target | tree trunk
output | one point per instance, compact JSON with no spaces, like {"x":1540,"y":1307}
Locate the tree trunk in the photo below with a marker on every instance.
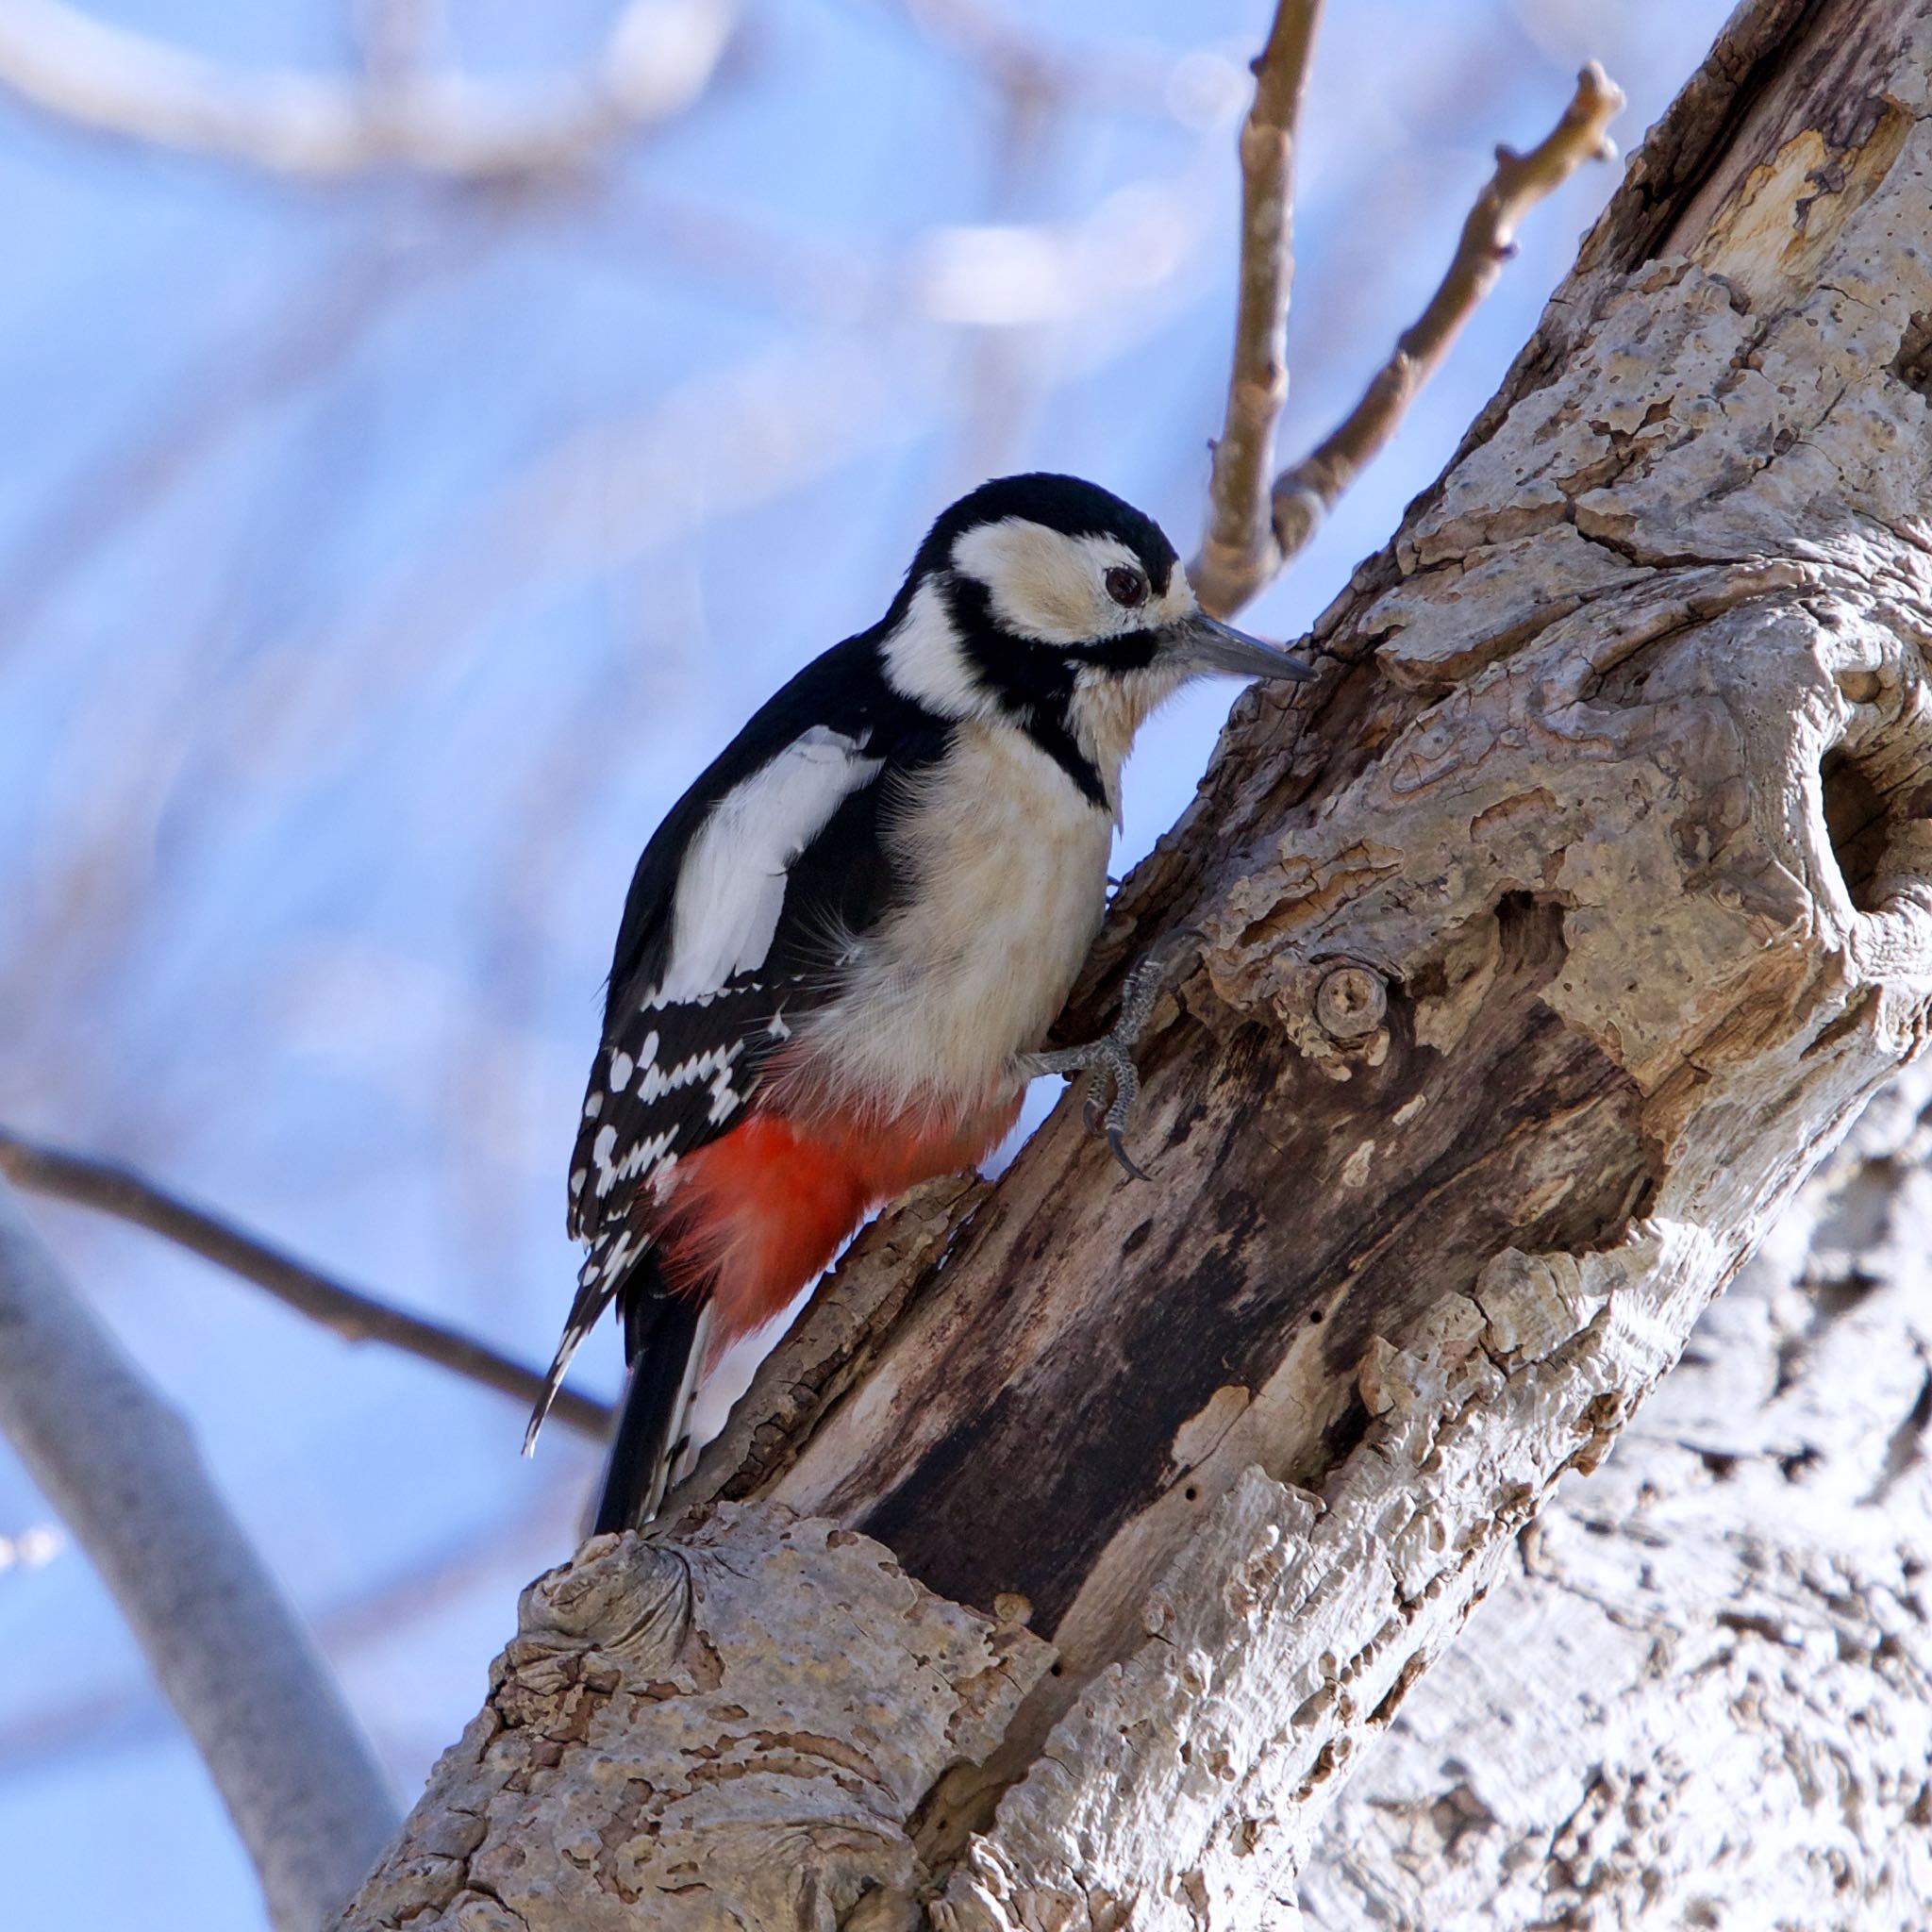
{"x":1055,"y":1573}
{"x":1702,"y":1695}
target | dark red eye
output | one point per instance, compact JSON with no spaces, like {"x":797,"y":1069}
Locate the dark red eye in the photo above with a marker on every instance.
{"x":1125,"y":585}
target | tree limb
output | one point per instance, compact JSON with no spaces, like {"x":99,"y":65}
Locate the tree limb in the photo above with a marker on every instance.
{"x":1610,"y":810}
{"x":111,"y":1188}
{"x":1747,"y":1740}
{"x":1238,"y":539}
{"x":657,"y":61}
{"x":119,"y":1464}
{"x":1304,"y":494}
{"x":1251,"y":540}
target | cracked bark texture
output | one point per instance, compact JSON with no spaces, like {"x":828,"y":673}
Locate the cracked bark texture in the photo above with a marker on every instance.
{"x":1701,"y":1695}
{"x":661,"y":1737}
{"x":1545,"y":950}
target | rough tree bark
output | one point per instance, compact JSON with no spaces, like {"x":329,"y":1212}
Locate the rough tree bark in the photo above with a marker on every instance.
{"x":1058,"y":1571}
{"x":1701,"y":1696}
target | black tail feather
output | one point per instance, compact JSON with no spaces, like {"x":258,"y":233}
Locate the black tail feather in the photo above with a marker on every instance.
{"x":663,"y":1335}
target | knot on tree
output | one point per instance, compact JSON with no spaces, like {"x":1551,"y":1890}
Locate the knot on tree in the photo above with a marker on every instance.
{"x":1350,"y":1003}
{"x":596,"y":1597}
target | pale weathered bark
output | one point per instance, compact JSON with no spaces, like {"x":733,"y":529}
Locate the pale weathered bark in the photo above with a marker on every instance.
{"x":1702,"y":1695}
{"x":1543,"y":954}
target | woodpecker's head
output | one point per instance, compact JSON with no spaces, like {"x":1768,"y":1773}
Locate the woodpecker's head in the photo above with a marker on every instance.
{"x":1052,"y":602}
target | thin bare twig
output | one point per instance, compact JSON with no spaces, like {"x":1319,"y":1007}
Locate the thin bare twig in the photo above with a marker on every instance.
{"x":118,"y":1191}
{"x":1303,"y":495}
{"x":292,"y":1766}
{"x":1239,"y":539}
{"x":658,"y":58}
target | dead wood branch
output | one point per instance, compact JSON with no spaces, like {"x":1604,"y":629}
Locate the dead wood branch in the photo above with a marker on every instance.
{"x":1255,"y":528}
{"x":1239,"y":542}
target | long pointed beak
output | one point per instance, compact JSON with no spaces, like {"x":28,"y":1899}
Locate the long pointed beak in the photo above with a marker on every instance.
{"x":1205,"y":644}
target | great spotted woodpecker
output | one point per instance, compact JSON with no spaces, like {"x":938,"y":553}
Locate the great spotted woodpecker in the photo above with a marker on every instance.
{"x":845,"y":943}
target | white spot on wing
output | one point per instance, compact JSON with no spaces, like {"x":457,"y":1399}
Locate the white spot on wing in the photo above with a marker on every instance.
{"x":621,"y":1069}
{"x":613,"y":1261}
{"x":724,"y":1103}
{"x":644,"y":1155}
{"x":656,"y":1083}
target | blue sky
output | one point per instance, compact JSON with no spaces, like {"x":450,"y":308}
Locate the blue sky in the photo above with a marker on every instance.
{"x":377,"y":562}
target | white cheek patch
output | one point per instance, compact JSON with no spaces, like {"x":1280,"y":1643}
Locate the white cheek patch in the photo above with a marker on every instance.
{"x":731,"y":888}
{"x":1047,"y":586}
{"x":1040,"y":583}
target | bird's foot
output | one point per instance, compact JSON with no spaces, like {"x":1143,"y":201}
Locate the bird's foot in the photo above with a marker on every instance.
{"x":1108,"y":1063}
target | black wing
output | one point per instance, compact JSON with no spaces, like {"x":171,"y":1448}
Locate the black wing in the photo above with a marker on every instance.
{"x":674,"y":1073}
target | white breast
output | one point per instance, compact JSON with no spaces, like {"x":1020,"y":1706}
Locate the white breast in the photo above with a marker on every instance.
{"x":943,"y":999}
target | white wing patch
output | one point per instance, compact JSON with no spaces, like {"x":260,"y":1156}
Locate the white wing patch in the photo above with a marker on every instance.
{"x":731,"y":888}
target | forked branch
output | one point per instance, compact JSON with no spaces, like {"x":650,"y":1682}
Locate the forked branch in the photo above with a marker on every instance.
{"x":110,"y":1189}
{"x":1245,"y":550}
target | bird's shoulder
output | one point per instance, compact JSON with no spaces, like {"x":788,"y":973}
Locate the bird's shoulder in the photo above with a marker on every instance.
{"x":772,"y":861}
{"x":831,"y":730}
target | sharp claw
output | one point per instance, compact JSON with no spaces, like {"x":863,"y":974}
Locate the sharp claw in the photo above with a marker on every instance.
{"x":1118,"y":1146}
{"x":1109,"y":1063}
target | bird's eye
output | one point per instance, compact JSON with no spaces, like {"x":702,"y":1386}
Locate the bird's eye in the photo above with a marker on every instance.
{"x":1125,"y":585}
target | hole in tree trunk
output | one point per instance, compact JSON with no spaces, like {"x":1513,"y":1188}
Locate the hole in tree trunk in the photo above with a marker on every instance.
{"x":1857,"y":820}
{"x":1914,"y":362}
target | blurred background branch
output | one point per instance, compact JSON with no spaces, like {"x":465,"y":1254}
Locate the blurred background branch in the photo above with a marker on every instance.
{"x":293,"y":1768}
{"x":658,"y":60}
{"x":110,"y":1188}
